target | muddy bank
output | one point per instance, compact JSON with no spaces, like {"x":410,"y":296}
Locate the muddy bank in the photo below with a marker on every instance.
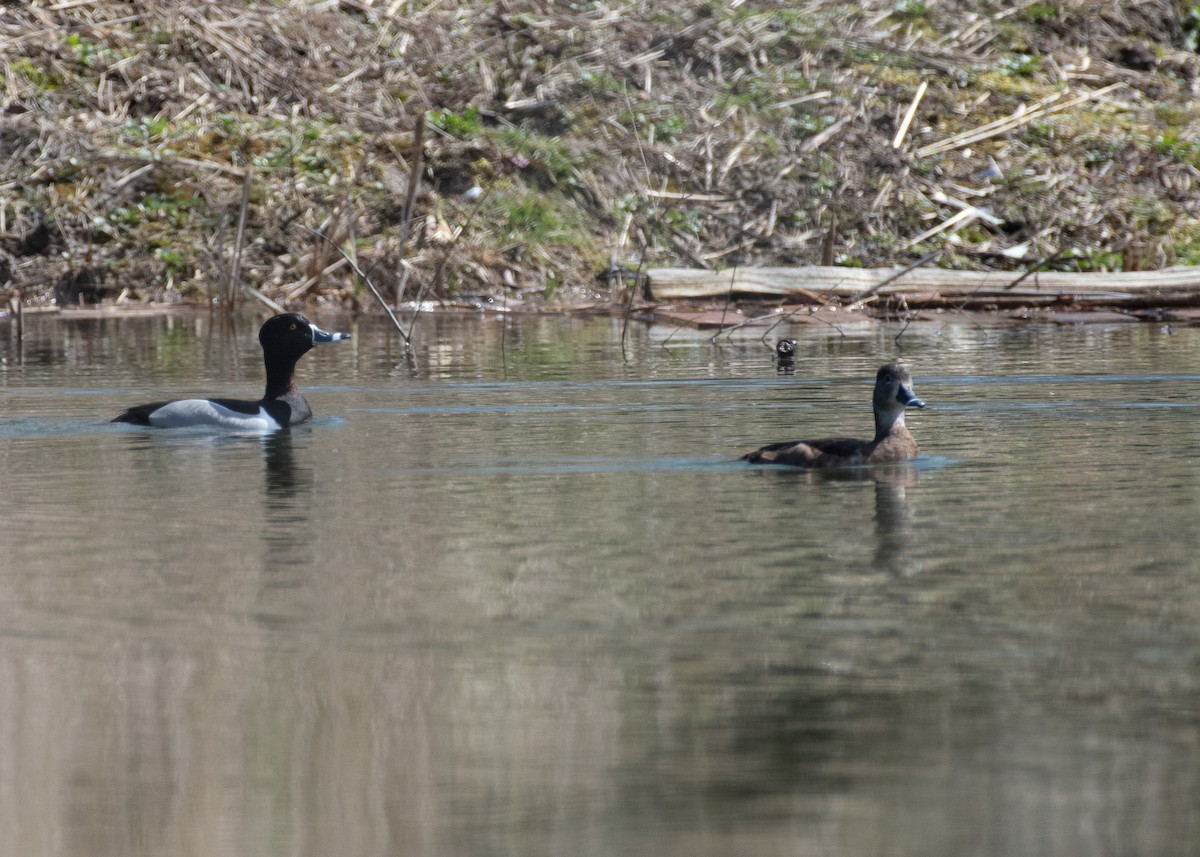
{"x":542,"y":155}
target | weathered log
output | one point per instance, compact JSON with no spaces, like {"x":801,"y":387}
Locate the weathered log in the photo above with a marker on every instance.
{"x":832,"y":281}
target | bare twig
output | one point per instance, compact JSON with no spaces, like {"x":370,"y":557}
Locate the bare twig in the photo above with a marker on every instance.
{"x":436,"y":276}
{"x":728,"y":295}
{"x":794,"y":312}
{"x":816,"y":141}
{"x":857,"y":299}
{"x":678,"y":327}
{"x":734,"y":154}
{"x":259,"y":296}
{"x":632,"y":291}
{"x":637,"y":274}
{"x":742,"y":324}
{"x":14,"y":303}
{"x":1037,"y":266}
{"x":992,"y":129}
{"x":960,"y":218}
{"x":902,"y":131}
{"x":239,"y":239}
{"x":829,"y":241}
{"x":414,"y":179}
{"x":907,"y":321}
{"x":405,"y":336}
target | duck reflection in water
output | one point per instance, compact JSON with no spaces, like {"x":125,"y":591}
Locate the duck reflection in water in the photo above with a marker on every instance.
{"x":283,"y":478}
{"x":289,"y":498}
{"x":894,"y":513}
{"x":894,"y":510}
{"x":785,"y":357}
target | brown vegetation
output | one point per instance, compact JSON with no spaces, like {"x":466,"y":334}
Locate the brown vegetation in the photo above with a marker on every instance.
{"x":568,"y":143}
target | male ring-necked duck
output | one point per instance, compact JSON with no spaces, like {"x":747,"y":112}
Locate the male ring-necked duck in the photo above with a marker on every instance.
{"x":893,"y":393}
{"x":284,"y":339}
{"x":785,"y":357}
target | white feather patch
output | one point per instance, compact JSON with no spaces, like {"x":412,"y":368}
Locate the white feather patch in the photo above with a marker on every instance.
{"x":187,"y":413}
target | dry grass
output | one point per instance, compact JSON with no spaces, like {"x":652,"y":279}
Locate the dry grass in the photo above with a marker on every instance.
{"x":600,"y":135}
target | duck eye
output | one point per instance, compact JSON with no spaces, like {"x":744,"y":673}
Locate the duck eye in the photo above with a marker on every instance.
{"x":293,"y":326}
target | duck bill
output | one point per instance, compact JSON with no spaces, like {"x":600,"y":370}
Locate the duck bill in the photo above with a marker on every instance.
{"x":906,"y":397}
{"x":320,"y":336}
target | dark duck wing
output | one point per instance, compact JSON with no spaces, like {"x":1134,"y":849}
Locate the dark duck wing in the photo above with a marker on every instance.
{"x":809,"y":453}
{"x":139,"y":415}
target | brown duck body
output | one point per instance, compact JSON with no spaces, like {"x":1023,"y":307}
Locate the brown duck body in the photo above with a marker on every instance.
{"x":892,"y":441}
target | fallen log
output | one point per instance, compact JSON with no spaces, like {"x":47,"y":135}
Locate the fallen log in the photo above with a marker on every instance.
{"x":993,"y":300}
{"x":837,"y":282}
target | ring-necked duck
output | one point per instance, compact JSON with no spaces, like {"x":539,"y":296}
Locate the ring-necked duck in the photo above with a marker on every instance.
{"x":284,"y":339}
{"x":785,"y":357}
{"x":893,"y":393}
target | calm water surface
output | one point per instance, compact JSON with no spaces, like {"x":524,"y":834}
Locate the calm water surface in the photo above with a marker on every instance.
{"x":516,"y":597}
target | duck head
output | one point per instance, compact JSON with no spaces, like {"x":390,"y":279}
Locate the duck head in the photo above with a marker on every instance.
{"x":291,"y":336}
{"x":893,"y":389}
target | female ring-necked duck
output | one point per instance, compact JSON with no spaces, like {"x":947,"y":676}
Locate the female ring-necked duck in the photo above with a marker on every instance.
{"x":893,"y":393}
{"x":284,"y":339}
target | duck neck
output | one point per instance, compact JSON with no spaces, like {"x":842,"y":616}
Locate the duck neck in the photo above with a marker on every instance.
{"x":281,"y":379}
{"x":888,"y":421}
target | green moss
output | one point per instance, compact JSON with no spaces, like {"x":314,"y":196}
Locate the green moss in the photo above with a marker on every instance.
{"x":464,"y":125}
{"x":45,"y":79}
{"x":1039,"y":133}
{"x":1176,"y":115}
{"x":536,"y":218}
{"x":661,"y":121}
{"x":175,"y":206}
{"x":1020,"y":65}
{"x":1183,"y":241}
{"x":909,"y":11}
{"x":1174,"y":146}
{"x":995,"y":84}
{"x":600,"y":82}
{"x":1190,"y":25}
{"x":91,"y":55}
{"x":175,"y":262}
{"x":1040,"y":13}
{"x":684,"y":220}
{"x":805,"y":125}
{"x":145,"y":130}
{"x":869,"y":62}
{"x":1095,"y":259}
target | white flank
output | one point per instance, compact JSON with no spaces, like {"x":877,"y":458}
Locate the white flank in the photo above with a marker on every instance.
{"x":187,"y":413}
